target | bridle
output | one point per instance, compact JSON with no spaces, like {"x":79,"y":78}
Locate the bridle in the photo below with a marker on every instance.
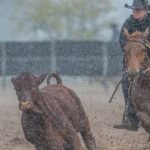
{"x":146,"y":44}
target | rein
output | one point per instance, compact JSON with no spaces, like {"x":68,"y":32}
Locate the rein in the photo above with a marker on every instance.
{"x":146,"y":43}
{"x":144,"y":71}
{"x":116,"y":88}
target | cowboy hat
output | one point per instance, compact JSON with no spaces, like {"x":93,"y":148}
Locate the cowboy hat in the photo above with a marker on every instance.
{"x":138,"y":4}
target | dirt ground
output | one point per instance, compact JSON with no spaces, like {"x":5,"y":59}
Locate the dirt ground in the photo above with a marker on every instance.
{"x":94,"y":94}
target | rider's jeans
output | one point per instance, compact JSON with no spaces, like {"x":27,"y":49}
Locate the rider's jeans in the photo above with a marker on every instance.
{"x":129,"y":116}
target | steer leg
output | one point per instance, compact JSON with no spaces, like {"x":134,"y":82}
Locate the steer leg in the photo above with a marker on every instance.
{"x":53,"y":145}
{"x":148,"y":139}
{"x":88,"y":139}
{"x":84,"y":125}
{"x":72,"y":139}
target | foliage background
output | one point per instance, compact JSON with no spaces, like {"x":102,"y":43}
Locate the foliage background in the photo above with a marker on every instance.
{"x":60,"y":19}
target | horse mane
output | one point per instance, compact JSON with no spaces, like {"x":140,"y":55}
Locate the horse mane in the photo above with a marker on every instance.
{"x":136,"y":35}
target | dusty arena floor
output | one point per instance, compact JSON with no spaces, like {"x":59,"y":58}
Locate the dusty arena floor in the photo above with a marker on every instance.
{"x":94,"y":94}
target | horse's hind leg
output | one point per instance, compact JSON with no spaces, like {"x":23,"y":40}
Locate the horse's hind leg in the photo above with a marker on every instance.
{"x":88,"y":139}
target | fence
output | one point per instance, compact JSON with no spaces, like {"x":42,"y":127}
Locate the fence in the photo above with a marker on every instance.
{"x":88,"y":58}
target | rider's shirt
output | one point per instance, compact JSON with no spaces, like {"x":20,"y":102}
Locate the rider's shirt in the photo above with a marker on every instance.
{"x":133,"y":25}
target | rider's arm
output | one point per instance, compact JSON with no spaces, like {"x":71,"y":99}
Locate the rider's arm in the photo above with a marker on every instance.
{"x":122,"y":37}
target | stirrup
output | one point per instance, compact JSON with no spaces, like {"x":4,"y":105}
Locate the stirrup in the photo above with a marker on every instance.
{"x":127,"y":127}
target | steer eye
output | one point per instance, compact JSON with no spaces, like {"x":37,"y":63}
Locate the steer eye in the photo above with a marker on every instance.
{"x":33,"y":92}
{"x":34,"y":88}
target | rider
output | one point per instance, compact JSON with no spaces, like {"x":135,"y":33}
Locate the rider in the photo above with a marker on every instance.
{"x":138,"y":21}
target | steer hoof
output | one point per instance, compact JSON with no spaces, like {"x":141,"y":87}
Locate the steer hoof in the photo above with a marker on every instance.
{"x":148,"y":139}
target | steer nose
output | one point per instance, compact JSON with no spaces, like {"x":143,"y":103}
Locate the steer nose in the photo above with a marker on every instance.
{"x":24,"y":105}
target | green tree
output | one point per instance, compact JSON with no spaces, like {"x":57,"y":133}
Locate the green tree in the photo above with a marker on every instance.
{"x":62,"y":19}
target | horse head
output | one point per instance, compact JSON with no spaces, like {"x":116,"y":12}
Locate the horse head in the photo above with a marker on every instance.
{"x":135,"y":51}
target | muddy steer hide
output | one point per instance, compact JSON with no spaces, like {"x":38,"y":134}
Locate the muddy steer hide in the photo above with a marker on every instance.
{"x":51,"y":116}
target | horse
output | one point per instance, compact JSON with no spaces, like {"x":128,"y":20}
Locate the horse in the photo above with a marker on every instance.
{"x":138,"y":69}
{"x":135,"y":51}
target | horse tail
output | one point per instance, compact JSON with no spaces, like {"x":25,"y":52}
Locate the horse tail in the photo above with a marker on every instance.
{"x":56,"y":76}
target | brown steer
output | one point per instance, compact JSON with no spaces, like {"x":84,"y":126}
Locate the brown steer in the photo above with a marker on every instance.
{"x":51,"y":116}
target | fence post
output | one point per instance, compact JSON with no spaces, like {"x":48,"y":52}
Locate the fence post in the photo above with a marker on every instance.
{"x":3,"y":65}
{"x":105,"y":59}
{"x":53,"y":56}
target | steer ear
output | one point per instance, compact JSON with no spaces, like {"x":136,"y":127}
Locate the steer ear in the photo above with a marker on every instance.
{"x":13,"y":79}
{"x":41,"y":78}
{"x":146,"y":33}
{"x":126,"y":33}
